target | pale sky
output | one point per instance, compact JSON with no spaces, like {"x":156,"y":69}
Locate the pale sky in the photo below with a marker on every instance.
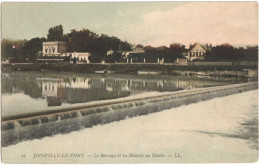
{"x":148,"y":23}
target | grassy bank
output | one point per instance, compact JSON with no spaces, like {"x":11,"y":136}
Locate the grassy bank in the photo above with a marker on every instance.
{"x":123,"y":68}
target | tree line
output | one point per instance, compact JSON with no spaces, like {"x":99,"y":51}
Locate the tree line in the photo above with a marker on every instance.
{"x":79,"y":41}
{"x":227,"y":52}
{"x":151,"y":55}
{"x":21,"y":50}
{"x":88,"y":41}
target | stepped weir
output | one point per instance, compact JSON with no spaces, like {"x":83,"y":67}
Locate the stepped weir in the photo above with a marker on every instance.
{"x":47,"y":123}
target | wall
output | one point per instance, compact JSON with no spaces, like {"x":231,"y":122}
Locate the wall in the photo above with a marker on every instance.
{"x":243,"y":63}
{"x":211,"y":63}
{"x":58,"y":46}
{"x":248,"y":63}
{"x":62,"y":47}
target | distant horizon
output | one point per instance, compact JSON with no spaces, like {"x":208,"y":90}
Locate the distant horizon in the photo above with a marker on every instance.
{"x":147,"y":23}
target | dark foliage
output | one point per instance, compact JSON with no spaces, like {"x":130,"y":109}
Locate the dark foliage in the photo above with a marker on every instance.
{"x":32,"y":49}
{"x":152,"y":54}
{"x":227,"y":52}
{"x":55,"y":33}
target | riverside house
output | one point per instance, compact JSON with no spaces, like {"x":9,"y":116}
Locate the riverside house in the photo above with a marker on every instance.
{"x":56,"y":52}
{"x":198,"y":51}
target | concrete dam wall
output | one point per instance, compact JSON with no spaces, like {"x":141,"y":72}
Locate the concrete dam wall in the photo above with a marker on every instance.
{"x":15,"y":130}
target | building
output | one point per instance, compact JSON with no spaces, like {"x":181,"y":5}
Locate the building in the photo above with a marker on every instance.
{"x":182,"y":61}
{"x":125,"y":54}
{"x":198,"y":51}
{"x":79,"y":57}
{"x":138,"y":50}
{"x":110,"y":52}
{"x":54,"y":48}
{"x":56,"y":52}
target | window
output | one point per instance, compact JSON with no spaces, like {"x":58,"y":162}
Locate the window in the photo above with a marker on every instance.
{"x":50,"y":51}
{"x":199,"y":53}
{"x":46,"y":50}
{"x":196,"y":54}
{"x":53,"y":50}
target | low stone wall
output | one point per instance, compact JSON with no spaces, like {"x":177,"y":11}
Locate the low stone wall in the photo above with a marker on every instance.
{"x":248,"y":63}
{"x":242,"y":63}
{"x":149,"y":72}
{"x":17,"y":130}
{"x":211,"y":63}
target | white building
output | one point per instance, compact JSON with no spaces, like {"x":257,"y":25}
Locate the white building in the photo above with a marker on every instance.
{"x":79,"y":57}
{"x":110,"y":52}
{"x":56,"y":51}
{"x":125,"y":53}
{"x":198,"y":51}
{"x":54,"y":48}
{"x":138,"y":50}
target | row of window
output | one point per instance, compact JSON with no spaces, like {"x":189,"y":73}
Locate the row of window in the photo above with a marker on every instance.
{"x":49,"y":87}
{"x":51,"y":50}
{"x":80,"y":59}
{"x":197,"y":54}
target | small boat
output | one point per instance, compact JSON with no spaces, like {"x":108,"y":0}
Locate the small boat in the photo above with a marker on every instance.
{"x":101,"y":71}
{"x":202,"y":74}
{"x":109,"y":71}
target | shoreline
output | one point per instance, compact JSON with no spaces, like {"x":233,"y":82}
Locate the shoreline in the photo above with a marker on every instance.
{"x":153,"y":69}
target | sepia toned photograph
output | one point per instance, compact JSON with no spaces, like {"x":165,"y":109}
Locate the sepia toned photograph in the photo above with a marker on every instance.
{"x":129,"y":82}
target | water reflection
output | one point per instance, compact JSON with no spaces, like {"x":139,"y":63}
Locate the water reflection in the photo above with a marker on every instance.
{"x":60,"y":88}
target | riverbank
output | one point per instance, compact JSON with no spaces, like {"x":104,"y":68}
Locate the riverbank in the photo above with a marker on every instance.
{"x":237,"y":71}
{"x":213,"y":131}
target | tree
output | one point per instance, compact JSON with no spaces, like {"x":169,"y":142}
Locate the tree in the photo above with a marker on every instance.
{"x":82,"y":41}
{"x":251,"y":53}
{"x":11,"y":49}
{"x":224,"y":52}
{"x":55,"y":33}
{"x":139,"y":46}
{"x":162,"y":49}
{"x":31,"y":48}
{"x":176,"y":48}
{"x":125,"y":46}
{"x":149,"y":49}
{"x":21,"y":50}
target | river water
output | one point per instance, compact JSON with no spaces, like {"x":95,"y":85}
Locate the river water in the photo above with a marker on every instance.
{"x":27,"y":92}
{"x":220,"y":130}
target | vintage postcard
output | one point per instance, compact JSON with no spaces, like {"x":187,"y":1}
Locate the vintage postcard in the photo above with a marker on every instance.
{"x":129,"y":82}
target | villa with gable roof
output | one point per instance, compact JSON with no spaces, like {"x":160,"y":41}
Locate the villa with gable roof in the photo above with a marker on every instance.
{"x":198,"y":51}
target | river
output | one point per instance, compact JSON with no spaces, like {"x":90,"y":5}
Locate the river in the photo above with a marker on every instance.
{"x":27,"y":92}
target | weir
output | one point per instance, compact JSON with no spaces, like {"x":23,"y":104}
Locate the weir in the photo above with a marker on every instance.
{"x":31,"y":126}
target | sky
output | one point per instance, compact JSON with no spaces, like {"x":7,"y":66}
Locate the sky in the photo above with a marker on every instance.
{"x":147,"y":23}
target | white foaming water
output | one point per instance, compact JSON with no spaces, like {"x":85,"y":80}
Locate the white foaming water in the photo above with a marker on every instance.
{"x":209,"y":131}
